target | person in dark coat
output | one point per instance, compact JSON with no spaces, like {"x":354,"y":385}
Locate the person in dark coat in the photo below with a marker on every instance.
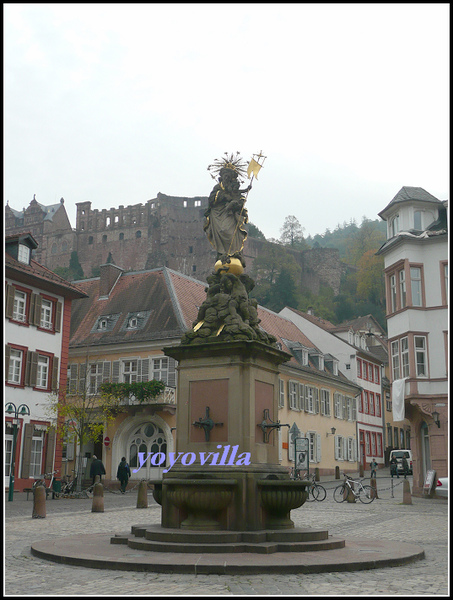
{"x":405,"y":467}
{"x":394,"y":467}
{"x":123,"y":474}
{"x":97,"y":468}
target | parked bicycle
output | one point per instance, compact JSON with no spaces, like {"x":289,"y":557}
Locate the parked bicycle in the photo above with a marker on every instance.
{"x":315,"y":491}
{"x":41,"y":481}
{"x":365,"y":493}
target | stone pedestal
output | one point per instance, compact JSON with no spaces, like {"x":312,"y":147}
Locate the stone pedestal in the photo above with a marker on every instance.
{"x":227,"y":474}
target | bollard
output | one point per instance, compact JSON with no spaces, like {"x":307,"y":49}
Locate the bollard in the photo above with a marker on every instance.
{"x":350,"y":497}
{"x":39,"y":502}
{"x":337,"y":472}
{"x":98,"y":497}
{"x":142,"y":494}
{"x":374,"y":486}
{"x":407,"y":497}
{"x":317,"y":474}
{"x":361,"y":470}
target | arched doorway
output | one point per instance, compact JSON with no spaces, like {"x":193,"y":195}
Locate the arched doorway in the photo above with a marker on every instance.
{"x":425,"y":447}
{"x":149,"y":437}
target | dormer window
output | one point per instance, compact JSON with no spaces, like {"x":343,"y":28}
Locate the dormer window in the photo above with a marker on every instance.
{"x":23,"y":255}
{"x":351,"y":337}
{"x":103,"y":324}
{"x":132,"y":323}
{"x":418,"y":220}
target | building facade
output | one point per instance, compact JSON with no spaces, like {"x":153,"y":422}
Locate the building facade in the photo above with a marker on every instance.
{"x":416,"y":279}
{"x":37,"y":322}
{"x":119,"y":334}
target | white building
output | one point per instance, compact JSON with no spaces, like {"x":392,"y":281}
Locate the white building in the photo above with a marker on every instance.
{"x":416,"y":279}
{"x":37,"y":320}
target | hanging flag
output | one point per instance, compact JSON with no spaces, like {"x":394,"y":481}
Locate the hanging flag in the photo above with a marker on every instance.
{"x":254,"y":168}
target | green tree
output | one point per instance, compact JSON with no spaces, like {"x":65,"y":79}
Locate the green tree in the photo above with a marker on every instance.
{"x":370,"y":278}
{"x":74,"y":271}
{"x":253,"y":231}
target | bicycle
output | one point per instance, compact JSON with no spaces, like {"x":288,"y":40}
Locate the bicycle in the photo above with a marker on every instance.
{"x":365,"y":493}
{"x":315,"y":491}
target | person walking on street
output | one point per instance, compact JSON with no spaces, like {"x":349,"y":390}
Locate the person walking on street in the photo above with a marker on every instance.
{"x":97,"y":468}
{"x":394,"y":467}
{"x":405,"y":467}
{"x":373,"y":466}
{"x":123,"y":473}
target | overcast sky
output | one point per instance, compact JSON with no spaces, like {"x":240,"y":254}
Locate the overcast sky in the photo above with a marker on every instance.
{"x":113,"y":103}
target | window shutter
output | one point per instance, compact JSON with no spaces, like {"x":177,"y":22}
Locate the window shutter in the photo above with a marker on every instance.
{"x":26,"y":450}
{"x":9,"y":303}
{"x":344,"y":407}
{"x":106,"y":371}
{"x":58,"y":313}
{"x":55,"y":362}
{"x":35,"y":309}
{"x":318,"y":447}
{"x":336,"y":448}
{"x":50,"y":450}
{"x":7,"y":355}
{"x":31,"y":370}
{"x":82,"y":389}
{"x":143,"y":369}
{"x":115,"y":371}
{"x":172,"y":364}
{"x":316,"y":400}
{"x":354,"y":409}
{"x":72,"y":379}
{"x":345,"y":448}
{"x":300,"y":399}
{"x":306,"y":398}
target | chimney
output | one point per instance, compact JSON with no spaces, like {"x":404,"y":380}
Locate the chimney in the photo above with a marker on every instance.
{"x":110,"y":274}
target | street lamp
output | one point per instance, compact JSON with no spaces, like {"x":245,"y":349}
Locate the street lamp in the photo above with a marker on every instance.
{"x":21,"y":411}
{"x":436,"y":418}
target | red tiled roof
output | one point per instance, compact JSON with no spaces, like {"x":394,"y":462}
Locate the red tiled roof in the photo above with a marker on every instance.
{"x":43,"y":276}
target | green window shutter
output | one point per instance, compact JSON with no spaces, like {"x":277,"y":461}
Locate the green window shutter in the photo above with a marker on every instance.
{"x":50,"y":450}
{"x":54,"y":375}
{"x":35,"y":309}
{"x":9,"y":302}
{"x":31,"y":369}
{"x":26,"y":450}
{"x":58,"y":313}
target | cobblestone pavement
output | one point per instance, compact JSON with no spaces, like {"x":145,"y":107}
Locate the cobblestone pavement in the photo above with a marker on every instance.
{"x":424,"y":522}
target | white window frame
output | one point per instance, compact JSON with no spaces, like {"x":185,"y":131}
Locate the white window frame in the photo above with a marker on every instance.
{"x":393,"y":297}
{"x":42,"y":372}
{"x":129,"y":367}
{"x":314,"y":446}
{"x":281,"y":394}
{"x":23,"y":254}
{"x":20,"y":306}
{"x":404,"y":345}
{"x":46,"y":314}
{"x":15,"y":366}
{"x":293,"y":395}
{"x":421,"y":352}
{"x":416,"y":286}
{"x":36,"y":449}
{"x":325,"y":402}
{"x":395,"y":356}
{"x":402,"y":286}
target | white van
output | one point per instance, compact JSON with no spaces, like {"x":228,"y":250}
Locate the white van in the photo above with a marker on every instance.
{"x":398,"y":454}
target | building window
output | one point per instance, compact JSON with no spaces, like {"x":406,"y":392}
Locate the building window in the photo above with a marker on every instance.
{"x":20,"y":306}
{"x":103,"y":324}
{"x":90,"y":239}
{"x":420,"y":356}
{"x":376,"y":375}
{"x":402,"y":283}
{"x":394,"y":226}
{"x":42,"y":374}
{"x":104,"y":239}
{"x":138,"y":234}
{"x":416,"y":286}
{"x":378,"y":405}
{"x":46,"y":314}
{"x":24,"y":254}
{"x":325,"y":402}
{"x":393,"y":304}
{"x":121,"y":237}
{"x":129,"y":371}
{"x":197,"y":203}
{"x":371,"y":403}
{"x":281,"y":393}
{"x":418,"y":220}
{"x":36,"y":454}
{"x":389,"y":435}
{"x":190,"y":249}
{"x":359,"y":368}
{"x":295,"y":395}
{"x":16,"y":358}
{"x":164,"y":369}
{"x":394,"y":347}
{"x":404,"y":357}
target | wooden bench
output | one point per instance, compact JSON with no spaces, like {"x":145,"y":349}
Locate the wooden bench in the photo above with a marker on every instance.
{"x":30,"y":491}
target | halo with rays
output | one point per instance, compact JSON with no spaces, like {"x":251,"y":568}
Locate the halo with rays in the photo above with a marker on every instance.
{"x":229,"y":161}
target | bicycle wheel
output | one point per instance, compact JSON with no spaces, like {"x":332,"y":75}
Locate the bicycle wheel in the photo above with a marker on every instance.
{"x":321,"y":493}
{"x":339,"y":493}
{"x":367,"y":494}
{"x":312,"y":494}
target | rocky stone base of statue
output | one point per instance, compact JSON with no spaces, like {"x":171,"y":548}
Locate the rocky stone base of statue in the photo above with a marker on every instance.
{"x":228,"y":314}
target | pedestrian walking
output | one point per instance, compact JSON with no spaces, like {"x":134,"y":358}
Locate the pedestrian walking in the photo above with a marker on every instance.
{"x":373,"y":467}
{"x":394,"y":467}
{"x":97,"y":468}
{"x":123,"y":473}
{"x":405,"y":467}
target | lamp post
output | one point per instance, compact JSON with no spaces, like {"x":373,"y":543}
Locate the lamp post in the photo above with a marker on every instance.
{"x":22,"y":410}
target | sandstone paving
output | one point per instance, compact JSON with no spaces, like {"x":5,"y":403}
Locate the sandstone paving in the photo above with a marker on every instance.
{"x":424,"y":522}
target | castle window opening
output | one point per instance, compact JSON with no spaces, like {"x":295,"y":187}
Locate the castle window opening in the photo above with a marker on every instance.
{"x":184,"y":203}
{"x":104,"y":239}
{"x":197,"y":203}
{"x":117,"y":218}
{"x":194,"y":268}
{"x":121,"y":237}
{"x":107,"y":222}
{"x":190,"y":249}
{"x":90,"y":239}
{"x":138,"y":234}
